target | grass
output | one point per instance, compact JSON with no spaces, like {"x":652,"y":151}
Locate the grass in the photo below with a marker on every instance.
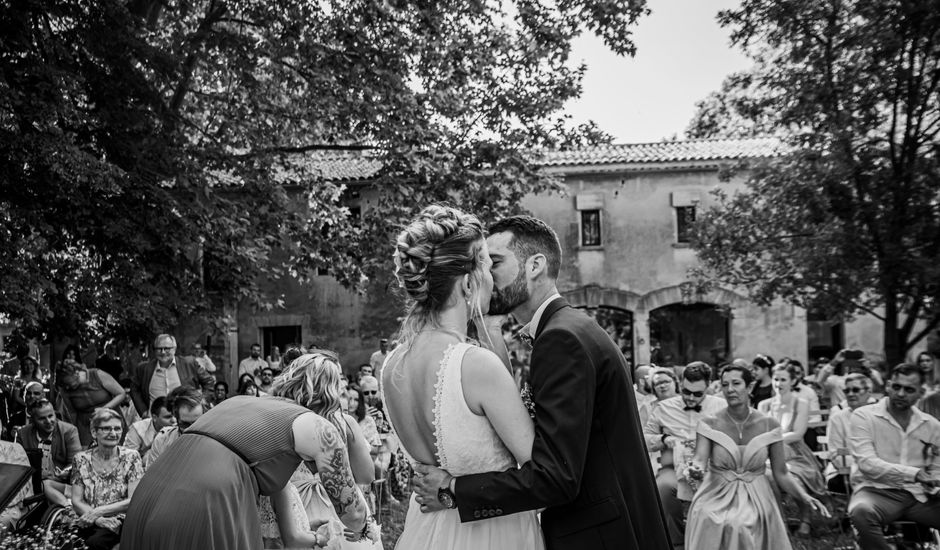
{"x":827,"y":534}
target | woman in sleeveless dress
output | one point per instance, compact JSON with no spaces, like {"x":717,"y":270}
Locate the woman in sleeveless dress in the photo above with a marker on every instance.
{"x":452,"y":403}
{"x":735,"y":507}
{"x":310,"y":503}
{"x":792,"y":413}
{"x":202,"y":494}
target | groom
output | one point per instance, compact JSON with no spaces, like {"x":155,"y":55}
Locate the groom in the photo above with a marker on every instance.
{"x":589,"y":467}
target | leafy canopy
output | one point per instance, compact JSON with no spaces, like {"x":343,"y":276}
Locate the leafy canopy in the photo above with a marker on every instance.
{"x":847,"y":218}
{"x":159,"y":157}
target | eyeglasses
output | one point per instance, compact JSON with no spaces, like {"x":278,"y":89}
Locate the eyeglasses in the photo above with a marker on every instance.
{"x":663,"y":382}
{"x":854,"y":390}
{"x":369,"y":392}
{"x":910,"y":390}
{"x":692,"y":393}
{"x":171,"y":348}
{"x":110,"y":429}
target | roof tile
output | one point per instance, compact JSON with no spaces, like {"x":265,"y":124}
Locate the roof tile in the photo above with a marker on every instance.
{"x":665,"y":151}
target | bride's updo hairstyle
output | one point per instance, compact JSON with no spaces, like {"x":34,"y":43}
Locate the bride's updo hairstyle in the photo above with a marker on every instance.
{"x":437,"y":248}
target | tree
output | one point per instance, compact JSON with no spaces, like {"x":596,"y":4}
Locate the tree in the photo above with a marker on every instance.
{"x":847,"y":218}
{"x":152,"y":151}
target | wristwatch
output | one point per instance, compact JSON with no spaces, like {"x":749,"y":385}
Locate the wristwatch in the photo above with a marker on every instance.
{"x":447,"y":497}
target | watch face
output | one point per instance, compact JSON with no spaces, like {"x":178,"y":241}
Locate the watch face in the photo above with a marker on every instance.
{"x":446,"y":498}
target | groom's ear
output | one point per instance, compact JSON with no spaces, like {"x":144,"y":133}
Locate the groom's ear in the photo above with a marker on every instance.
{"x":536,"y":265}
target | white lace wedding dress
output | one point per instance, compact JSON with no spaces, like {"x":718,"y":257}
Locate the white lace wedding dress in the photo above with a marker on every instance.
{"x":465,"y":444}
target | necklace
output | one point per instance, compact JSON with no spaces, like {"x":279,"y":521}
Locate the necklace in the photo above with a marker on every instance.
{"x":740,"y":426}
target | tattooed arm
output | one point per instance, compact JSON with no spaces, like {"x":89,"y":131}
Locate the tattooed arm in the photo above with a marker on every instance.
{"x":318,"y":442}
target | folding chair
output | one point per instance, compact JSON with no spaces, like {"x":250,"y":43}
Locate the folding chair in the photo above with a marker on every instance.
{"x":913,"y":536}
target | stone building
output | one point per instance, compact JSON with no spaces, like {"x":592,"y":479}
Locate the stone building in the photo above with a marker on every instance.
{"x":623,"y":223}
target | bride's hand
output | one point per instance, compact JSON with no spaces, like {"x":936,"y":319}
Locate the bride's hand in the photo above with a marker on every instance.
{"x":427,"y":480}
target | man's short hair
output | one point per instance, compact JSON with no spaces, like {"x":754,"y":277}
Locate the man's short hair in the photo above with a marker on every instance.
{"x":164,"y":337}
{"x":222,"y":383}
{"x":531,"y":236}
{"x":907,"y":369}
{"x":860,"y":378}
{"x":157,"y":404}
{"x":38,"y":404}
{"x":183,"y":396}
{"x":255,"y":345}
{"x":696,"y":371}
{"x":268,"y":369}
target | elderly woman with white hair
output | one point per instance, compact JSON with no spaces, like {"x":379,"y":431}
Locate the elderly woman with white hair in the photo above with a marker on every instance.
{"x":203,"y":492}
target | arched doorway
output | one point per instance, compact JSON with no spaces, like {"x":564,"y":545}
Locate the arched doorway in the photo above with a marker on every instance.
{"x":613,"y":309}
{"x":682,"y":333}
{"x":618,"y":323}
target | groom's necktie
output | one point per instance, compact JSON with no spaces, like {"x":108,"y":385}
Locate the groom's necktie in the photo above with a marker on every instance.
{"x":696,"y":408}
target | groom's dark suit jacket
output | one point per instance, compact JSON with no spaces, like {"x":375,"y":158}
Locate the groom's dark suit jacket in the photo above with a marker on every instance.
{"x":589,"y":466}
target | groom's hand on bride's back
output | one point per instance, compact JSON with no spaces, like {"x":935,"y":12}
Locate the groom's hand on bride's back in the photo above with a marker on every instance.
{"x":427,"y":481}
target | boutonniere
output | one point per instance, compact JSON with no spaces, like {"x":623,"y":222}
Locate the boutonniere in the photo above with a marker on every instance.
{"x":526,"y":394}
{"x":930,"y":451}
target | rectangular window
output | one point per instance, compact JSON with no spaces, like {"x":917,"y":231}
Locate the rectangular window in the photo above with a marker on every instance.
{"x":590,"y":227}
{"x":685,"y":217}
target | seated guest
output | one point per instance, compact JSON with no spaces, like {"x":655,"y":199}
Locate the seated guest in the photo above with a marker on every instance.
{"x":126,"y":408}
{"x":267,"y":377}
{"x":141,"y":434}
{"x":643,"y":390}
{"x":671,"y":430}
{"x":248,"y":387}
{"x":792,"y":413}
{"x":13,"y":453}
{"x":187,"y":405}
{"x":762,"y":366}
{"x":85,"y":391}
{"x":34,"y":391}
{"x":58,"y":441}
{"x":220,"y":392}
{"x":103,"y":482}
{"x":895,"y":448}
{"x":735,"y":507}
{"x":857,"y":394}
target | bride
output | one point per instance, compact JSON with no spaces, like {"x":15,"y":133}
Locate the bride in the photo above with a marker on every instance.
{"x":452,"y":403}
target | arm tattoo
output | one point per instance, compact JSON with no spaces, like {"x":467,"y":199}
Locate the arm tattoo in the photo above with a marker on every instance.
{"x":337,"y":479}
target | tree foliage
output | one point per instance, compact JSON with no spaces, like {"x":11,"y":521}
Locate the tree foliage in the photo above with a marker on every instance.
{"x":847,"y":218}
{"x":149,"y":147}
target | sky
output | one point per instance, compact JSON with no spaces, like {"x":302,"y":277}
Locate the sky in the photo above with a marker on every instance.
{"x":682,"y":56}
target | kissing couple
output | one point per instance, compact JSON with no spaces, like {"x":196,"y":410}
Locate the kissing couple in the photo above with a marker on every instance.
{"x":483,"y":467}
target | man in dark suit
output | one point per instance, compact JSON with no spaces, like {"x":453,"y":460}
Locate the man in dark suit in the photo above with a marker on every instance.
{"x":589,"y":468}
{"x":166,"y":372}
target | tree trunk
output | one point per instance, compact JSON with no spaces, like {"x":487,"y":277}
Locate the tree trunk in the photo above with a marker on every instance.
{"x":894,"y":348}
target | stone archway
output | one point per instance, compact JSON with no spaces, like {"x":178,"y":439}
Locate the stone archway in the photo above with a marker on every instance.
{"x":698,"y":324}
{"x":613,"y":309}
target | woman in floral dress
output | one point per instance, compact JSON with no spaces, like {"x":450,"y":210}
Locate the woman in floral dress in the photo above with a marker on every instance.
{"x":103,"y":481}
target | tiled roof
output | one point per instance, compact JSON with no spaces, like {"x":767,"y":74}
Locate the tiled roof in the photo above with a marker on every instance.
{"x":349,"y":166}
{"x":665,"y":151}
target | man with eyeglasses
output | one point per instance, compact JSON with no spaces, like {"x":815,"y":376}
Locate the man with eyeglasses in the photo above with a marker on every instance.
{"x":671,"y":430}
{"x":895,"y":446}
{"x":166,"y":372}
{"x":58,"y":442}
{"x":187,"y":405}
{"x":857,"y":394}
